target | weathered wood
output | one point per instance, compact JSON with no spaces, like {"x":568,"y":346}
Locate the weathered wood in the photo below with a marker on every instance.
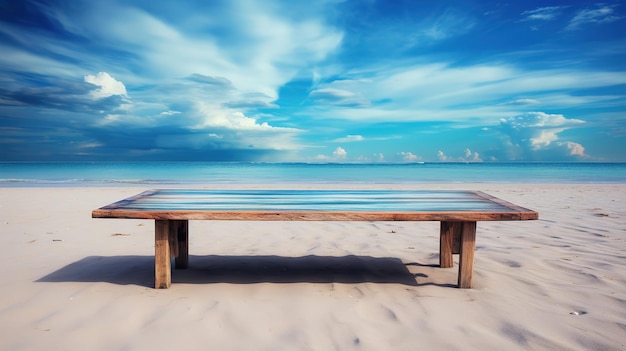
{"x":466,"y":259}
{"x":182,"y":230}
{"x":315,"y":205}
{"x":162,"y":264}
{"x":505,"y":203}
{"x":445,"y":244}
{"x":290,"y":215}
{"x":458,"y":212}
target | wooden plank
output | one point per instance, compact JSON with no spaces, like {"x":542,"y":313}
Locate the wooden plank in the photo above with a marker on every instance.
{"x":458,"y":212}
{"x":445,"y":244}
{"x":182,"y":230}
{"x":466,"y":259}
{"x":315,"y":205}
{"x":287,"y":215}
{"x":162,"y":264}
{"x":527,"y":213}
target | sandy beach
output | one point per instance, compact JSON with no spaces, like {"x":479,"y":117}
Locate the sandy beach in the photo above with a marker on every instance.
{"x":70,"y":282}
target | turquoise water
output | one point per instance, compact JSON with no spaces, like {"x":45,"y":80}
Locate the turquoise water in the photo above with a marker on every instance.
{"x":190,"y":173}
{"x":311,"y":200}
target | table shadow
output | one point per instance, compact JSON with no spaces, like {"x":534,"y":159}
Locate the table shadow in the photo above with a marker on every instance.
{"x":246,"y":269}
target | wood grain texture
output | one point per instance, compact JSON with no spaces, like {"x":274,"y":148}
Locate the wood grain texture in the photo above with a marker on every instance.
{"x":446,"y":236}
{"x":466,"y":258}
{"x":315,"y":205}
{"x":162,"y":264}
{"x":458,"y":212}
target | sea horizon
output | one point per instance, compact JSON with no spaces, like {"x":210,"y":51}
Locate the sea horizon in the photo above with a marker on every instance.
{"x":190,"y":173}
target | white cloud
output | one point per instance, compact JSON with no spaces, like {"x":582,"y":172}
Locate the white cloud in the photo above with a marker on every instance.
{"x":182,"y":73}
{"x":206,"y":123}
{"x":108,"y":85}
{"x":441,"y":156}
{"x":204,"y":73}
{"x":471,"y":156}
{"x":410,"y":157}
{"x":340,"y":153}
{"x":540,"y":120}
{"x":211,"y":117}
{"x":261,"y":50}
{"x":543,"y":138}
{"x":539,"y":131}
{"x":422,"y":92}
{"x":170,"y":113}
{"x":349,"y":138}
{"x":467,"y":156}
{"x":522,"y":102}
{"x":226,"y":77}
{"x":574,"y":149}
{"x":90,"y":145}
{"x":542,"y":13}
{"x":603,"y":13}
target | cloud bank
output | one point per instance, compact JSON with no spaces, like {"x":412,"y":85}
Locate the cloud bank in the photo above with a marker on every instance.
{"x":538,"y":133}
{"x":293,"y":81}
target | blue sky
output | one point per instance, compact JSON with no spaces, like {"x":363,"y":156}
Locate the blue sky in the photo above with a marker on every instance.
{"x":313,"y":81}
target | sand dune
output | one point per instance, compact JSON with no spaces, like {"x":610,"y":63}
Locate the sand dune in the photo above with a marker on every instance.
{"x":69,"y":282}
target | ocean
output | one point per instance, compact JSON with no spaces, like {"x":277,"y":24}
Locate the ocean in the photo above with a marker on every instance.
{"x":152,"y":174}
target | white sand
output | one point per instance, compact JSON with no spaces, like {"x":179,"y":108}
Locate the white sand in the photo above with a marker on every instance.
{"x":69,"y":282}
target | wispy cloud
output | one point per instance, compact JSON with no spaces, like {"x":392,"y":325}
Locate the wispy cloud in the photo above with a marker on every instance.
{"x":280,"y":80}
{"x":177,"y":74}
{"x":339,"y":97}
{"x":522,"y":102}
{"x":603,"y":13}
{"x":63,"y":95}
{"x":349,"y":139}
{"x":542,"y":13}
{"x":447,"y":25}
{"x":441,"y":92}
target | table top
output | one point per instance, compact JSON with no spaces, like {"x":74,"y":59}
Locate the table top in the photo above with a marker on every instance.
{"x":315,"y":205}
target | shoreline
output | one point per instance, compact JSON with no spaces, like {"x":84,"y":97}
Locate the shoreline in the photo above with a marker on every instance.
{"x":298,"y":185}
{"x":73,"y":282}
{"x":198,"y":174}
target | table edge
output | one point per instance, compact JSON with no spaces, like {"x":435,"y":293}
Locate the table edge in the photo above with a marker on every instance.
{"x":113,"y":210}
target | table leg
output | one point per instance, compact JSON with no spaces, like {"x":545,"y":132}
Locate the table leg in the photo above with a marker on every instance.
{"x":449,"y":242}
{"x":162,"y":264}
{"x":182,"y":237}
{"x":445,"y":244}
{"x":466,"y":259}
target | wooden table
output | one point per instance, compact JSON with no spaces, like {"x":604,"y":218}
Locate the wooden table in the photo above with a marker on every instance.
{"x":458,"y":212}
